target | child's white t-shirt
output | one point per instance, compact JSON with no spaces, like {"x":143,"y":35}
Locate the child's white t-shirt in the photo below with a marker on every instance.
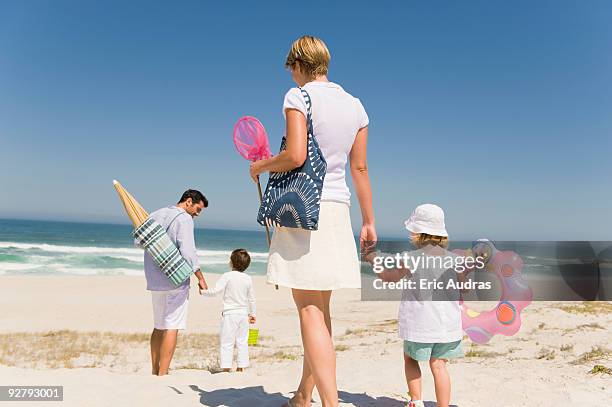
{"x":336,"y":118}
{"x":422,"y":319}
{"x":238,"y":293}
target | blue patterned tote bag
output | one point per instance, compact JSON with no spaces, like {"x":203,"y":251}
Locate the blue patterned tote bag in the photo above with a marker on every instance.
{"x":293,"y":198}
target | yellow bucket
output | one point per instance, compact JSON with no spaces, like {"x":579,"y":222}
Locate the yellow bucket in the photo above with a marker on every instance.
{"x":253,"y":335}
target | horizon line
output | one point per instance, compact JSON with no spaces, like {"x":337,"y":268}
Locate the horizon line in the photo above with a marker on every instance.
{"x":111,"y":223}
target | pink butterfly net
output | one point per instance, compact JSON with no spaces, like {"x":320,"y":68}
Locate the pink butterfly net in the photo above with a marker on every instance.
{"x":250,"y":139}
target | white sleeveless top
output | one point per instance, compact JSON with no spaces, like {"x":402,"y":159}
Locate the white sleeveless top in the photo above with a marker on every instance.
{"x":336,"y":118}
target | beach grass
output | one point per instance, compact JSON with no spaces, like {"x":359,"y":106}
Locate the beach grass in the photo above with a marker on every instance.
{"x":118,"y":351}
{"x":582,"y":327}
{"x":73,"y":349}
{"x":386,"y":326}
{"x":548,"y":354}
{"x":475,"y":352}
{"x":601,"y":369}
{"x":596,"y":353}
{"x":356,"y":332}
{"x":588,"y":307}
{"x":279,"y":355}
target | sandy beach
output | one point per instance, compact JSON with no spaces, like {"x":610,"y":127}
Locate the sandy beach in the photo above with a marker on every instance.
{"x":90,"y":335}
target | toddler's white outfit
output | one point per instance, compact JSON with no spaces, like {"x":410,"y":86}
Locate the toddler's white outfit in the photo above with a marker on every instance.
{"x":238,"y":304}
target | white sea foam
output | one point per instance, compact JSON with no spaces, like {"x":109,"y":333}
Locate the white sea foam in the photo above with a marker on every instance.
{"x":134,"y":259}
{"x":44,"y":258}
{"x":62,"y":269}
{"x":131,"y":254}
{"x":8,"y":266}
{"x":68,"y":249}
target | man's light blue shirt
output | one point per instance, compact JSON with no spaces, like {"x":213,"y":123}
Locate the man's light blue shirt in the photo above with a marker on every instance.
{"x":180,"y":227}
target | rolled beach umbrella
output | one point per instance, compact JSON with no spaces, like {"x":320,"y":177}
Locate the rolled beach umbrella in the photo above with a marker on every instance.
{"x":153,"y":238}
{"x":135,"y":211}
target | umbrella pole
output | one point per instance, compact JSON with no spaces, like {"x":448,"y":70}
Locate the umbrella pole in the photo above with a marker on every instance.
{"x":267,"y":229}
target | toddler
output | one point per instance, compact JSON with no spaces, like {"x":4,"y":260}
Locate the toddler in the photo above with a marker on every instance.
{"x":238,"y":310}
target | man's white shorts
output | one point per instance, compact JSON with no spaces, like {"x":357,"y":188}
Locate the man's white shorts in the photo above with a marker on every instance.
{"x":170,"y":308}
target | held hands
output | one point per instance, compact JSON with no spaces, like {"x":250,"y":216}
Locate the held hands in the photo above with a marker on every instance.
{"x":201,"y":282}
{"x":202,"y":286}
{"x":252,"y":319}
{"x":368,"y":241}
{"x":368,"y":238}
{"x":369,"y":255}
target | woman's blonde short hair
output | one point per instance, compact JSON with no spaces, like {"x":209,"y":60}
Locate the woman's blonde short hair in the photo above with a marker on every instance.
{"x":424,"y":239}
{"x":311,"y":53}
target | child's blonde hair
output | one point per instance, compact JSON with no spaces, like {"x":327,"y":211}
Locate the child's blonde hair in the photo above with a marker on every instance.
{"x":311,"y":53}
{"x":423,"y":239}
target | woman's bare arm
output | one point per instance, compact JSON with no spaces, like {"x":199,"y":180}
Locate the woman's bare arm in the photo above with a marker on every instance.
{"x":295,"y":153}
{"x":361,"y":180}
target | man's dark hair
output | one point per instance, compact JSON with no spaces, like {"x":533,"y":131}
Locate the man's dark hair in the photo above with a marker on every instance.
{"x":240,"y":259}
{"x":196,"y":197}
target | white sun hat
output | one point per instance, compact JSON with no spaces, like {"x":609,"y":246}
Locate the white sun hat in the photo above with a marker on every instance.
{"x":427,"y":218}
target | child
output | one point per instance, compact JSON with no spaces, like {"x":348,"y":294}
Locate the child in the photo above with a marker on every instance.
{"x":430,"y":326}
{"x":238,"y":310}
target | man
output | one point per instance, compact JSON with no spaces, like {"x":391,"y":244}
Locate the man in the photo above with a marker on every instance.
{"x":170,"y":303}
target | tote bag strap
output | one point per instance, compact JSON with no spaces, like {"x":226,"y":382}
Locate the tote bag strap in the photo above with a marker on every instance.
{"x":308,"y":102}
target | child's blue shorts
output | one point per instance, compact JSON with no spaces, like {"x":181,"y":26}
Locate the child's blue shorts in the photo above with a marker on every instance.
{"x":426,"y":351}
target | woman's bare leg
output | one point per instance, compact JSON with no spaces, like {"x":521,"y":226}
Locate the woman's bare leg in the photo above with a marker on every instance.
{"x":318,"y":346}
{"x":303,"y":395}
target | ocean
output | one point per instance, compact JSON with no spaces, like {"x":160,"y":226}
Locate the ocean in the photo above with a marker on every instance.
{"x":66,"y":248}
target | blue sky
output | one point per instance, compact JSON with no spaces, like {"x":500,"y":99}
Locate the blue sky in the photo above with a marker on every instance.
{"x":500,"y":112}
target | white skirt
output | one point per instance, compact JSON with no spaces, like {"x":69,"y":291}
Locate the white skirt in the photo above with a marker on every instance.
{"x":324,"y":259}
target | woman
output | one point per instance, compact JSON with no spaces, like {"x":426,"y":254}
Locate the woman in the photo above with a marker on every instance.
{"x":314,"y":263}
